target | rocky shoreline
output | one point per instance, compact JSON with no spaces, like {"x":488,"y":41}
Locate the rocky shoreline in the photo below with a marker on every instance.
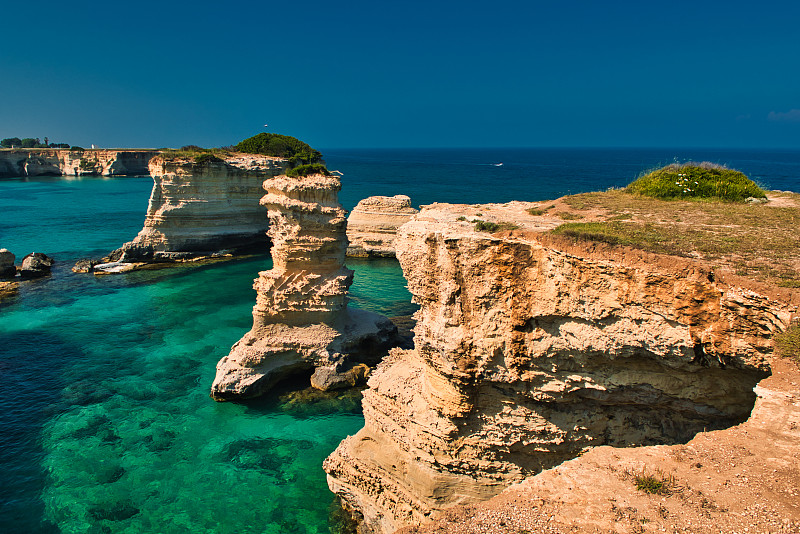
{"x":532,"y":351}
{"x":74,"y":162}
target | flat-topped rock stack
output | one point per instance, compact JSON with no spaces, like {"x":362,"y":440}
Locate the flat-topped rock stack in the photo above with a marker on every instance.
{"x":300,"y":319}
{"x":202,"y":206}
{"x":372,"y":225}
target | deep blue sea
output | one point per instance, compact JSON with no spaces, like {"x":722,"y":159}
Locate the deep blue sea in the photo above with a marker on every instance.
{"x":106,"y":425}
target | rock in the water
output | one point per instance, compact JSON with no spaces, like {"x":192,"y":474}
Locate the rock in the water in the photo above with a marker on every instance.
{"x":328,"y":378}
{"x":35,"y":265}
{"x":84,"y":266}
{"x":301,"y":318}
{"x":7,"y":269}
{"x":198,"y":208}
{"x":373,"y":223}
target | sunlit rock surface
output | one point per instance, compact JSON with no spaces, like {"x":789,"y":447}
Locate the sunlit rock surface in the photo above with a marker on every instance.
{"x":300,"y":319}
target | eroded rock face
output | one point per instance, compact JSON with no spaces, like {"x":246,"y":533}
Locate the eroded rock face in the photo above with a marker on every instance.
{"x":202,"y":208}
{"x":528,"y":354}
{"x":301,"y":320}
{"x":62,"y":162}
{"x":373,"y":224}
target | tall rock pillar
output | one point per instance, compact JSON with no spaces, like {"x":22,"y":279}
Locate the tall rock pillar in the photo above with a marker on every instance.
{"x":300,"y":320}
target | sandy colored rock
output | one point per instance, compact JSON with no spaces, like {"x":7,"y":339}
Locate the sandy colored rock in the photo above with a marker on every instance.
{"x":528,"y":355}
{"x":373,"y":224}
{"x":35,"y":265}
{"x":63,"y":162}
{"x":203,"y":208}
{"x":742,"y":479}
{"x":300,"y":319}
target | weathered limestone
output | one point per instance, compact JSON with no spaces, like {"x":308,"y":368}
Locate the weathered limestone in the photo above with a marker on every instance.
{"x":63,"y":162}
{"x":373,"y":224}
{"x":7,"y":268}
{"x":529,"y":352}
{"x":200,"y":208}
{"x":35,"y":265}
{"x":301,"y":320}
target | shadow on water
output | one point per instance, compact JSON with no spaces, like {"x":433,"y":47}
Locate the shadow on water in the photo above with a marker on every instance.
{"x":30,"y":392}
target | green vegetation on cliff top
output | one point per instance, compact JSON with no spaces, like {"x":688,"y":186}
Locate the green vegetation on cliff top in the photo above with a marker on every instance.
{"x":757,"y":240}
{"x":696,"y":181}
{"x":310,"y":168}
{"x":280,"y":146}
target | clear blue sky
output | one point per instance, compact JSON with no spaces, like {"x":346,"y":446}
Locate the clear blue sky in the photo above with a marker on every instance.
{"x":403,"y":74}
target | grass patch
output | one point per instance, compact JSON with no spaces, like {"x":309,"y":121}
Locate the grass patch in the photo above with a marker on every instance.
{"x":194,"y":153}
{"x":567,"y":216}
{"x":308,"y":169}
{"x":486,"y":226}
{"x":536,"y":212}
{"x":759,"y":241}
{"x":787,"y":343}
{"x":696,"y":181}
{"x":654,"y":482}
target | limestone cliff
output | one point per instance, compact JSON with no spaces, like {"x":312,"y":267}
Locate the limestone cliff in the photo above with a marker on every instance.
{"x":300,"y":319}
{"x":62,"y":162}
{"x":530,"y":351}
{"x":373,"y":224}
{"x":203,"y":207}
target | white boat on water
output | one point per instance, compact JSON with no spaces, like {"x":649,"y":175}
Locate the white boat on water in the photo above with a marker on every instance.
{"x":498,"y":164}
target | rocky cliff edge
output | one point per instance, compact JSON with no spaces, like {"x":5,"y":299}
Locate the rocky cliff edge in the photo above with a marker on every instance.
{"x":532,"y":350}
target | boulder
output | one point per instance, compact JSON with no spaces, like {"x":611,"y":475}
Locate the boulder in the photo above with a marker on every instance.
{"x":7,"y":269}
{"x":35,"y":265}
{"x":328,"y":378}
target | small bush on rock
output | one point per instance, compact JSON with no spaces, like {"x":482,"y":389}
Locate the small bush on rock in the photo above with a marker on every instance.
{"x":305,"y":170}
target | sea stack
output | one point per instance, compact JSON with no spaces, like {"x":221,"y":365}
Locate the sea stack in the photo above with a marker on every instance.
{"x":201,"y":205}
{"x":300,"y":319}
{"x":373,"y":223}
{"x":529,"y":351}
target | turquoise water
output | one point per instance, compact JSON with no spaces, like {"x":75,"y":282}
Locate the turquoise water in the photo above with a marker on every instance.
{"x":105,"y":420}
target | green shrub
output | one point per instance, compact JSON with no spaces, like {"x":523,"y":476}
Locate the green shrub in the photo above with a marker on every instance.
{"x":305,"y":170}
{"x":280,"y":146}
{"x":696,"y":181}
{"x":206,"y":157}
{"x":536,"y":212}
{"x":486,"y":226}
{"x":77,"y":148}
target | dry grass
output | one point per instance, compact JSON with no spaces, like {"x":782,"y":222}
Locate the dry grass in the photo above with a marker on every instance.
{"x":787,"y":344}
{"x":761,"y":241}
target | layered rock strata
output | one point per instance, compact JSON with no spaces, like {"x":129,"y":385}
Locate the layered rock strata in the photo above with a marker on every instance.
{"x":62,"y":162}
{"x":373,"y":223}
{"x":201,"y":208}
{"x":300,"y":319}
{"x":529,"y":352}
